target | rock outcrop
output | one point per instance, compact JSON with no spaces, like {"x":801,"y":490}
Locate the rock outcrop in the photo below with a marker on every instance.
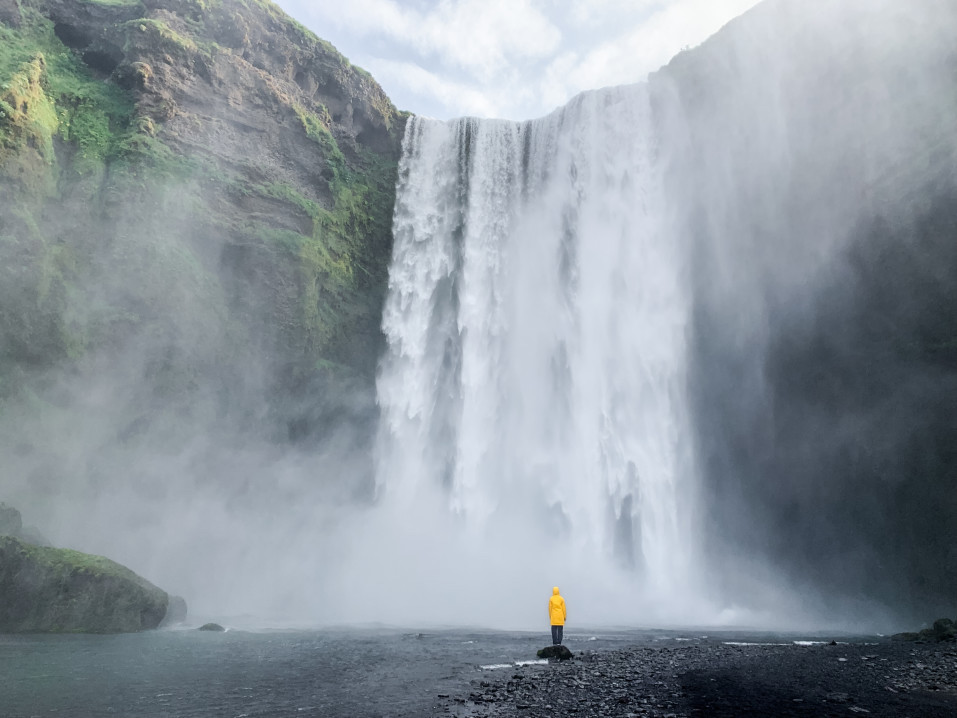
{"x":47,"y":590}
{"x":944,"y":629}
{"x":11,"y":524}
{"x":560,"y":653}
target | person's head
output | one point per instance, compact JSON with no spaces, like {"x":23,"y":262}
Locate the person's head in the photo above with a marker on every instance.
{"x":555,"y":591}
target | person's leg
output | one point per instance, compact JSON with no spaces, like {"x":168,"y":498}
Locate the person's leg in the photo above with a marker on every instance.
{"x":555,"y":639}
{"x":561,"y":630}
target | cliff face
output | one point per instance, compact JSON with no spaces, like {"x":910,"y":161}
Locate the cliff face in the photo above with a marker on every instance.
{"x":195,"y":208}
{"x":823,"y":337}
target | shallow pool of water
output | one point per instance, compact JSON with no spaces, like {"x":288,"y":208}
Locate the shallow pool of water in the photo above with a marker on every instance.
{"x":356,"y":672}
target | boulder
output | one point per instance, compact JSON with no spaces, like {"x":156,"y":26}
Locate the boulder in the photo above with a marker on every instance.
{"x":49,"y":590}
{"x":211,"y":627}
{"x":945,"y":630}
{"x":559,"y":652}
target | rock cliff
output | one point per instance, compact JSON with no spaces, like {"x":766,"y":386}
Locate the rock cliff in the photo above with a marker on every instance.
{"x":195,"y":208}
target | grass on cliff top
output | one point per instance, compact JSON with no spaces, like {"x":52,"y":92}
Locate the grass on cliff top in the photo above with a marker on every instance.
{"x":64,"y":560}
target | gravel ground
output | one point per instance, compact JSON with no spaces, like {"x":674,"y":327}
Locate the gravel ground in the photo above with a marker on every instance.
{"x":717,"y":679}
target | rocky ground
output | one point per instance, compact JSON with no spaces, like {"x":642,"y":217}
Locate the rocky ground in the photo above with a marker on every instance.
{"x":713,"y":678}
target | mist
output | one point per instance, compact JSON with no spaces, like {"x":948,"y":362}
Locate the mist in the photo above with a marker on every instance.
{"x":683,"y":348}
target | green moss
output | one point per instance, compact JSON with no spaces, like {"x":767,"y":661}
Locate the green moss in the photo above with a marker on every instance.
{"x":67,"y":101}
{"x":317,"y":129}
{"x":63,"y":560}
{"x":158,"y":35}
{"x":34,"y":275}
{"x":113,"y":3}
{"x":28,"y":122}
{"x":143,"y":159}
{"x":57,"y":300}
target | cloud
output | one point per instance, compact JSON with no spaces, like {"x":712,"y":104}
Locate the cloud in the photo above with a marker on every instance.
{"x":630,"y":55}
{"x":440,"y":92}
{"x":482,"y":37}
{"x":510,"y":58}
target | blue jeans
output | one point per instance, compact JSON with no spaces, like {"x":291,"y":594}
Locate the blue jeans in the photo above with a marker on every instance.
{"x":557,"y":635}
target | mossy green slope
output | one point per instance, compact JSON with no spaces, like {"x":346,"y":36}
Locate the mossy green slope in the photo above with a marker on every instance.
{"x":49,"y":590}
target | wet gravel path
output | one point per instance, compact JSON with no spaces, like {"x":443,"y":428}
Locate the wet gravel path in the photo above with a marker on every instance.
{"x":717,"y":679}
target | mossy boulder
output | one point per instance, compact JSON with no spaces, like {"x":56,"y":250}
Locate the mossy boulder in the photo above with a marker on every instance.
{"x":48,"y":590}
{"x":215,"y":627}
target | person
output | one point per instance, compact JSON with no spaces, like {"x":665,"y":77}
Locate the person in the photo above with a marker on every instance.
{"x":556,"y":614}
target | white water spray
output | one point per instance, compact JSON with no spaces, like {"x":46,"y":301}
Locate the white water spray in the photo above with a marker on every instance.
{"x":534,"y":382}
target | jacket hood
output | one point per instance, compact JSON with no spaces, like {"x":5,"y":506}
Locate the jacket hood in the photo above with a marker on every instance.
{"x":555,"y":591}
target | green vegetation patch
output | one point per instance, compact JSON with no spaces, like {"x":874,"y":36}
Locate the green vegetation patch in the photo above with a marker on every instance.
{"x":28,"y":121}
{"x":113,"y":3}
{"x":65,"y":561}
{"x":67,"y":100}
{"x":158,"y":35}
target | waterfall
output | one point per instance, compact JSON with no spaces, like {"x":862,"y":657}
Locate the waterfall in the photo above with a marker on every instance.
{"x":647,"y":346}
{"x":536,"y":322}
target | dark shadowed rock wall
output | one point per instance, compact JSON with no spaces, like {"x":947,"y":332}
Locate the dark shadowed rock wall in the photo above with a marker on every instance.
{"x":818,"y":165}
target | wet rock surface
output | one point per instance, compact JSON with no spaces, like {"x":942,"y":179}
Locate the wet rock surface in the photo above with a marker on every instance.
{"x":717,"y":679}
{"x":47,"y":590}
{"x":558,"y":652}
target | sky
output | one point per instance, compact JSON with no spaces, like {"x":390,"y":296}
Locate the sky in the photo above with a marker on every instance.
{"x":513,"y":59}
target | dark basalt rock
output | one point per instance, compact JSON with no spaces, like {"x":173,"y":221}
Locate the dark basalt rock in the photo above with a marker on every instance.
{"x":559,"y":652}
{"x":211,"y":627}
{"x":49,"y":590}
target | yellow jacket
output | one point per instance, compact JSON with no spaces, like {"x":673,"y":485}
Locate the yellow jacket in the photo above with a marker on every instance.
{"x":556,"y":608}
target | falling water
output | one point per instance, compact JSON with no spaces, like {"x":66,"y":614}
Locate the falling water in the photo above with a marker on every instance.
{"x":609,"y":331}
{"x":536,"y":337}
